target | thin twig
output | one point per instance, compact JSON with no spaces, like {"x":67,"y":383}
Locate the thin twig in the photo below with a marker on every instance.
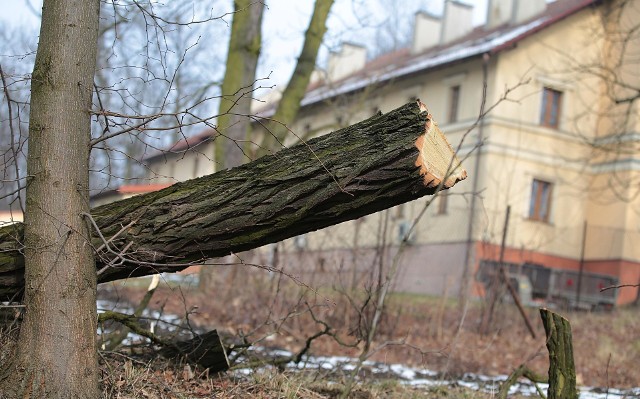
{"x":12,"y":139}
{"x":619,"y":286}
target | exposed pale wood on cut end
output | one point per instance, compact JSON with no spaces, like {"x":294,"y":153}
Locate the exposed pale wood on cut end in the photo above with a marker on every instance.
{"x":435,"y":158}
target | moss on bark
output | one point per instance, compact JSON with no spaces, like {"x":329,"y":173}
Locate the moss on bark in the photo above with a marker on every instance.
{"x":562,"y":369}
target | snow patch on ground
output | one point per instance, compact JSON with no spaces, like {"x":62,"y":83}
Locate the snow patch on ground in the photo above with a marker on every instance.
{"x":418,"y":377}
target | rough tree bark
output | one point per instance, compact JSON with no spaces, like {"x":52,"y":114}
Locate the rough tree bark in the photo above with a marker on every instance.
{"x":289,"y":104}
{"x":57,"y":354}
{"x":367,"y":167}
{"x":562,"y":368}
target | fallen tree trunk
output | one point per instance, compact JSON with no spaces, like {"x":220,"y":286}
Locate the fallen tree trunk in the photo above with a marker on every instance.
{"x":205,"y":350}
{"x":378,"y":163}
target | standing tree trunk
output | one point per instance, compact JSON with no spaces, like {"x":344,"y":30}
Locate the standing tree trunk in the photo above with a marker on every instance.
{"x":56,"y":354}
{"x":237,"y":87}
{"x":237,"y":91}
{"x":289,"y":104}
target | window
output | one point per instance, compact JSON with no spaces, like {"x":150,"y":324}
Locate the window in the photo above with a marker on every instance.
{"x":550,"y":112}
{"x":454,"y":100}
{"x":442,"y":203}
{"x":540,"y":205}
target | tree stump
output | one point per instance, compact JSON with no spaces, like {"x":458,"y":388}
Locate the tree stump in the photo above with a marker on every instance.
{"x":562,"y":369}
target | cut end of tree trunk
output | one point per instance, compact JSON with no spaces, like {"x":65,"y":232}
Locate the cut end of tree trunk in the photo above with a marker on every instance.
{"x":435,"y":161}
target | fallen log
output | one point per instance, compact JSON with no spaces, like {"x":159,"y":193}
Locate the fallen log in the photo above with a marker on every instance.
{"x":205,"y":350}
{"x":378,"y":163}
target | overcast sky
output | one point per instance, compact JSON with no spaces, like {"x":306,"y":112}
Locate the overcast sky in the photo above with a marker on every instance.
{"x":284,"y":24}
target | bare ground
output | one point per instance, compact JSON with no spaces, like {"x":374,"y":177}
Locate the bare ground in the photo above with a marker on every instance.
{"x":425,"y":332}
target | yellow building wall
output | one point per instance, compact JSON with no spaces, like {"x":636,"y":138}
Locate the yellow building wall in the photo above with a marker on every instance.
{"x":515,"y":150}
{"x":520,"y":150}
{"x":181,"y":166}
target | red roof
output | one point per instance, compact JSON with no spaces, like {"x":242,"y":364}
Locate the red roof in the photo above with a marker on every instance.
{"x":131,"y":189}
{"x":402,"y":62}
{"x":478,"y":42}
{"x":185,"y":144}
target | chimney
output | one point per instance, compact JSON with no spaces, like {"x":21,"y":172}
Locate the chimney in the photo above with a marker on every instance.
{"x":457,"y":21}
{"x":318,"y":75}
{"x":350,"y":59}
{"x":426,"y":32}
{"x":525,"y":10}
{"x":513,"y":12}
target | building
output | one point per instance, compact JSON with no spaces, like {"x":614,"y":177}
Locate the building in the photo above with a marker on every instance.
{"x":557,"y":146}
{"x":9,"y":216}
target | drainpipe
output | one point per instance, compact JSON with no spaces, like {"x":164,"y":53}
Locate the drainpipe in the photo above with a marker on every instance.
{"x":581,"y":270}
{"x":466,"y":274}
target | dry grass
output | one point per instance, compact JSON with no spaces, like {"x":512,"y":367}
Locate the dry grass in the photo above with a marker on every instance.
{"x":275,"y":314}
{"x":129,"y":377}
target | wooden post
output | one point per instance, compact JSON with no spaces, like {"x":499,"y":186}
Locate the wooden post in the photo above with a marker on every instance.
{"x":516,"y":300}
{"x":562,"y":370}
{"x":502,"y":277}
{"x":496,"y":288}
{"x":581,"y":271}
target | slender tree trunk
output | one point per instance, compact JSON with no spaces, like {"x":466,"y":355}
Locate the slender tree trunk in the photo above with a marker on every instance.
{"x":237,"y":91}
{"x":289,"y":104}
{"x":57,"y":355}
{"x":237,"y":86}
